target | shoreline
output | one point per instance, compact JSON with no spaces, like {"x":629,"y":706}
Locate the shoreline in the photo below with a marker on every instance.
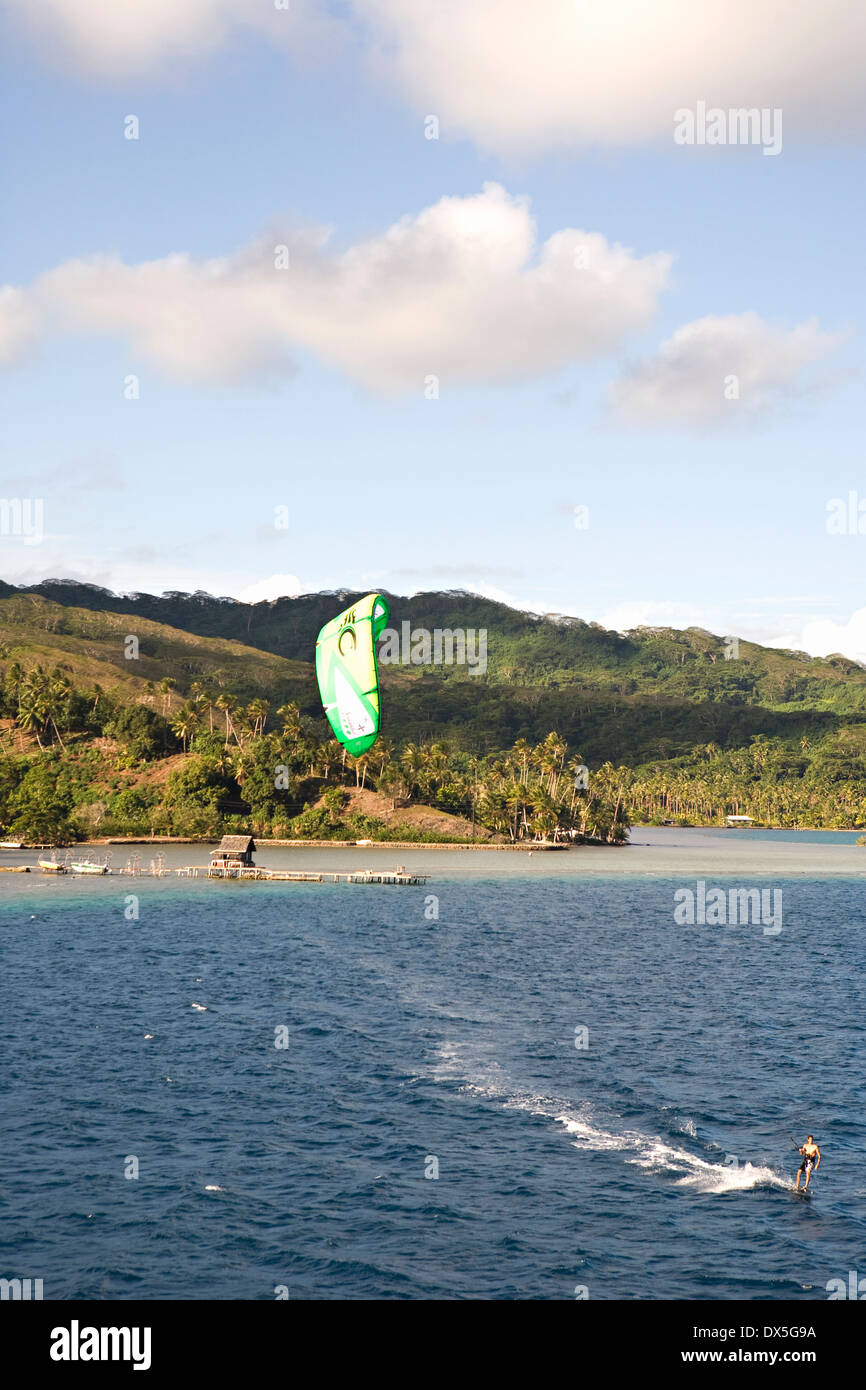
{"x":520,"y":846}
{"x":822,"y":829}
{"x":348,"y":844}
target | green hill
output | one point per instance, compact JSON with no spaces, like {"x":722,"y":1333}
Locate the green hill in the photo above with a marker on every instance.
{"x":90,"y":646}
{"x":686,"y":729}
{"x":647,"y":694}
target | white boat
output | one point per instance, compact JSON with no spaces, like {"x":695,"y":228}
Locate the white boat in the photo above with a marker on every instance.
{"x":85,"y":867}
{"x":11,"y":844}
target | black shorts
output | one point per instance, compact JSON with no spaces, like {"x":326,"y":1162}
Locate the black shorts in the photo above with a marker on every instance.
{"x":807,"y":1165}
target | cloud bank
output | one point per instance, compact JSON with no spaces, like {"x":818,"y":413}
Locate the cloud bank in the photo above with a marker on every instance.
{"x":516,"y":78}
{"x":462,"y":292}
{"x":824,"y":636}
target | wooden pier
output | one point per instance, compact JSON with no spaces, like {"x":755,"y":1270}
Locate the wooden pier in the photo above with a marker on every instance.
{"x":397,"y":876}
{"x":248,"y":872}
{"x":233,"y":860}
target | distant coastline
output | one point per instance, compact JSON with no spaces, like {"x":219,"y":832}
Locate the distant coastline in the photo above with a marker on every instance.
{"x":521,"y":846}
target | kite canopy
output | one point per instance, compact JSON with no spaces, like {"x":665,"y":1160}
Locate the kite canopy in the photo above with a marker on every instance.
{"x":347,"y":674}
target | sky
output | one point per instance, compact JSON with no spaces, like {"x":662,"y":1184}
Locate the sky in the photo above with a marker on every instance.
{"x":482,"y":295}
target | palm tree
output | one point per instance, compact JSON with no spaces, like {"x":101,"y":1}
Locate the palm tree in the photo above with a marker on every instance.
{"x":552,"y":760}
{"x":290,"y":721}
{"x":361,"y":766}
{"x":327,"y":755}
{"x":515,"y":801}
{"x":223,"y":762}
{"x":496,"y":810}
{"x":544,"y":816}
{"x":14,"y":678}
{"x":42,"y":696}
{"x":208,"y":698}
{"x":242,"y":724}
{"x":522,"y":753}
{"x":185,"y":723}
{"x":381,"y":755}
{"x":412,"y":761}
{"x":239,"y":765}
{"x":257,"y":711}
{"x":228,"y":704}
{"x":30,"y":719}
{"x":167,"y":685}
{"x":59,"y":690}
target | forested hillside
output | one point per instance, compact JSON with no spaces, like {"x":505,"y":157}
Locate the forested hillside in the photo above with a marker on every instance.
{"x":138,"y":713}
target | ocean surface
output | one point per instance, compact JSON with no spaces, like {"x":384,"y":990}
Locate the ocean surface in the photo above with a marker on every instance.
{"x":607,"y":1096}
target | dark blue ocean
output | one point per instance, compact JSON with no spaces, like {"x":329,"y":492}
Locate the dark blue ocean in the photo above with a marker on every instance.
{"x":649,"y":1161}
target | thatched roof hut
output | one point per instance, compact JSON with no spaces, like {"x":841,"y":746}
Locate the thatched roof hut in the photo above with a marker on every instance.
{"x":234,"y":849}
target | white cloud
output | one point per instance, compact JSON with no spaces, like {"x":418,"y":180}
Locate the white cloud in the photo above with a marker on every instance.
{"x":516,"y":77}
{"x":106,"y":36}
{"x":20,"y":326}
{"x":118,"y":39}
{"x":721,"y":369}
{"x":820,"y":636}
{"x":781,"y":625}
{"x":632,"y":613}
{"x":139,"y":569}
{"x":511,"y":600}
{"x":823,"y":636}
{"x":278,"y":586}
{"x":462,"y":291}
{"x":519,"y":78}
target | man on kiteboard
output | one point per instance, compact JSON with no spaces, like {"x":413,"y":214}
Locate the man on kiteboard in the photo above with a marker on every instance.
{"x":811,"y":1159}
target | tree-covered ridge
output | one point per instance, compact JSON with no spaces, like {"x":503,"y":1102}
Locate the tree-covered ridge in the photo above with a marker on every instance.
{"x":524,"y":648}
{"x":91,"y":645}
{"x":653,"y":693}
{"x":193,"y":734}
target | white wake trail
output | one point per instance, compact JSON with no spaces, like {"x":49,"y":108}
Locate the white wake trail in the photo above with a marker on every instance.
{"x":646,"y":1151}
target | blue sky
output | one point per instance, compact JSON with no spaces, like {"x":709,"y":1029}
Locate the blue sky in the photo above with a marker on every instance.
{"x":308,"y":392}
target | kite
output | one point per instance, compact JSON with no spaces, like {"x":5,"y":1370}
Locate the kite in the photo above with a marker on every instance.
{"x":347,"y":674}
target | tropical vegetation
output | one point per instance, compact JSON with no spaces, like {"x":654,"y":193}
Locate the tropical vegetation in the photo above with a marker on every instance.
{"x":188,"y":732}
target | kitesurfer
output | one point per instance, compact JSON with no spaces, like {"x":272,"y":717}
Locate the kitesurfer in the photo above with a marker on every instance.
{"x":811,"y":1159}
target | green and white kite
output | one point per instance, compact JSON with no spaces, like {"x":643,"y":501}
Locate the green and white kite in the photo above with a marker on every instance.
{"x":347,"y":674}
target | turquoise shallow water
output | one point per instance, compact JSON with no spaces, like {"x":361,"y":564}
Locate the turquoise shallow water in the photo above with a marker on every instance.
{"x":650,"y":1163}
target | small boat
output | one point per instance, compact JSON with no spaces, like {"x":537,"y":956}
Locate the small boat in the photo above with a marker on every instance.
{"x":85,"y":867}
{"x":51,"y":866}
{"x":11,"y":844}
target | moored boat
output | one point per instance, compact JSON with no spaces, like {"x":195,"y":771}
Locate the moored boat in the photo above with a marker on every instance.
{"x":51,"y":866}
